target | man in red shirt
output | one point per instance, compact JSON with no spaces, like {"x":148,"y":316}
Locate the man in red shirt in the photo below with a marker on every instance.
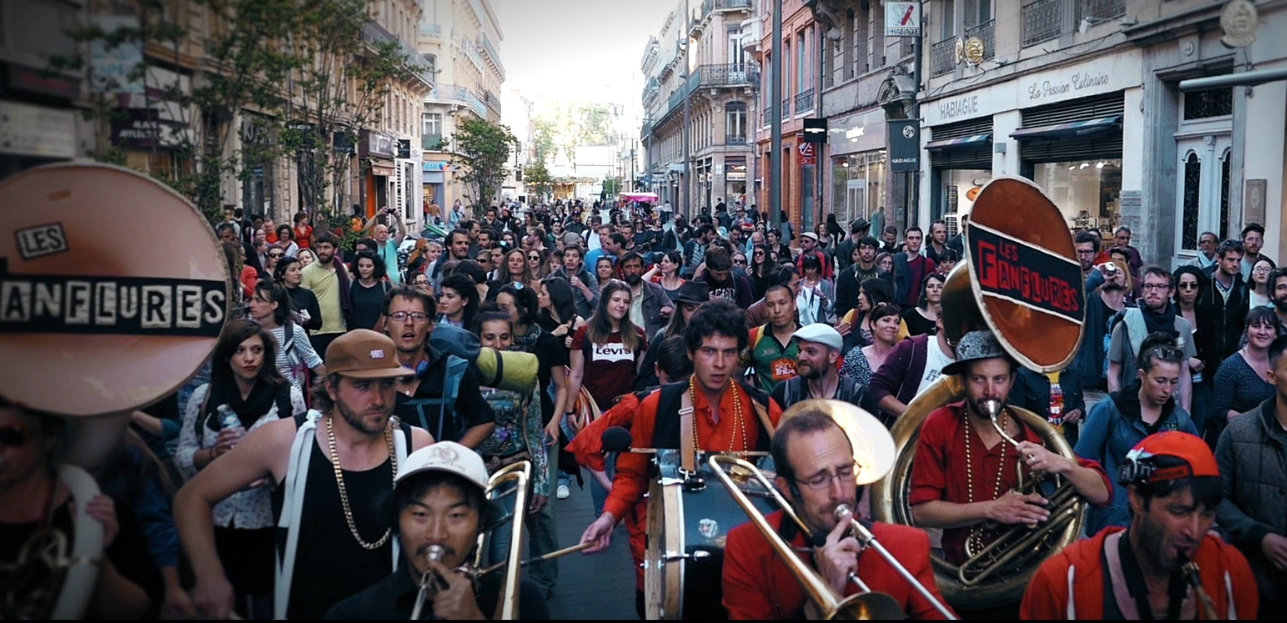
{"x":966,"y":474}
{"x":816,"y":474}
{"x":1138,"y":572}
{"x":726,"y":415}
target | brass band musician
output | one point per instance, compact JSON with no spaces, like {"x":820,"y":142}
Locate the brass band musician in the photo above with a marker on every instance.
{"x":966,"y":473}
{"x":816,"y":473}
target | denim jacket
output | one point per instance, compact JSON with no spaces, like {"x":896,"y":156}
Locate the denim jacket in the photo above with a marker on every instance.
{"x":1110,"y":431}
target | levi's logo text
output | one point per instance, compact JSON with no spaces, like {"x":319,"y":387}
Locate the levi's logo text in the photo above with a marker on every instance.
{"x":1026,"y":274}
{"x":612,"y":351}
{"x":110,"y":305}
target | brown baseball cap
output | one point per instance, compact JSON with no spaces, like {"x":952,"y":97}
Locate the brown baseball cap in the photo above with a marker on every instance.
{"x":364,"y":354}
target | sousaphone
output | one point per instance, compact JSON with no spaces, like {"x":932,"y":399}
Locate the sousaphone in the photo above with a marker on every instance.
{"x":113,"y":292}
{"x":1020,"y":279}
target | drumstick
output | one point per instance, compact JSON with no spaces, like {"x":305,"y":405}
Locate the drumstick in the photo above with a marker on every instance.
{"x":556,"y":554}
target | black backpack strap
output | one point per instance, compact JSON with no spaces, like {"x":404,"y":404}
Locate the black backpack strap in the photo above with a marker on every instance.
{"x":282,"y":399}
{"x":666,"y":427}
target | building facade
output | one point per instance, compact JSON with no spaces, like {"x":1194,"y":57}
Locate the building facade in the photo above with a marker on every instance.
{"x":459,"y":39}
{"x":697,"y":63}
{"x":1083,"y":98}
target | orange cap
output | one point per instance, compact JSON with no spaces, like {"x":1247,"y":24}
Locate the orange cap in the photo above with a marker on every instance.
{"x":1199,"y":461}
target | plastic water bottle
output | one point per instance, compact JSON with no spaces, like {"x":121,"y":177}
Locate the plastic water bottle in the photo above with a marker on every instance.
{"x":229,"y":420}
{"x":1056,"y":417}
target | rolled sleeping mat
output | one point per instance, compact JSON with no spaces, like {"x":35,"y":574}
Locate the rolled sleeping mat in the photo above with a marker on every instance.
{"x":513,"y":371}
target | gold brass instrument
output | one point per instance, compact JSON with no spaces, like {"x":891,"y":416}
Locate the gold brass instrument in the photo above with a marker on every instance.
{"x":518,"y":475}
{"x":859,"y":607}
{"x":1194,"y":577}
{"x":1042,"y":333}
{"x":430,"y":582}
{"x":867,"y":539}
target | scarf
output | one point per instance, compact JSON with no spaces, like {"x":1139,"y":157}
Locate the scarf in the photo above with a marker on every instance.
{"x":248,"y":410}
{"x":1163,"y":321}
{"x":527,"y":343}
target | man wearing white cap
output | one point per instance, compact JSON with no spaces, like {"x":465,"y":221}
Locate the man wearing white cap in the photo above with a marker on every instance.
{"x":439,"y":503}
{"x":819,"y":347}
{"x":328,"y":469}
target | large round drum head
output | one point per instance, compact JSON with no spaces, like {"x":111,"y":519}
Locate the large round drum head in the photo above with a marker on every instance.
{"x":1025,"y":273}
{"x":113,"y":289}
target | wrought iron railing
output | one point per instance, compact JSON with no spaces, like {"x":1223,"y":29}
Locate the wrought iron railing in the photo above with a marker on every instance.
{"x":768,"y":115}
{"x":786,"y":109}
{"x":1100,"y":9}
{"x":734,"y":139}
{"x":729,"y":74}
{"x":1043,"y":20}
{"x":804,"y":101}
{"x":987,"y":32}
{"x":906,"y":46}
{"x":943,"y":57}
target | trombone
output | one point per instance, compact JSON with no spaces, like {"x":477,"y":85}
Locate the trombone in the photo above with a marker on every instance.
{"x":867,"y":539}
{"x":863,"y":606}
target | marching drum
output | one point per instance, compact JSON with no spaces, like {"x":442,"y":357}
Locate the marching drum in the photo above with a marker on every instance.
{"x":689,"y":516}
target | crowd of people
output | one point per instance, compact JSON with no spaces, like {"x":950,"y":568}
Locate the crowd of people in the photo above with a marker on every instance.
{"x":359,"y":431}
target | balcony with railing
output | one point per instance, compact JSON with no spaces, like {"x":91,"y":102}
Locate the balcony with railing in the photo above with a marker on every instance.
{"x":492,"y":102}
{"x":728,"y":75}
{"x":724,"y":5}
{"x":1100,"y":9}
{"x":768,"y":115}
{"x":431,"y":30}
{"x":430,"y":142}
{"x":786,"y":109}
{"x":804,"y":102}
{"x":377,"y":34}
{"x":987,"y":33}
{"x":734,"y":139}
{"x":1043,"y":20}
{"x":943,"y":57}
{"x":461,"y":95}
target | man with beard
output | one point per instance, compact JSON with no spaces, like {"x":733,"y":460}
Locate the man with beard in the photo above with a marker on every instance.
{"x":1221,"y":309}
{"x":1156,"y":314}
{"x":440,"y":502}
{"x":328,"y":280}
{"x":444,"y":394}
{"x":817,"y":376}
{"x":650,"y":306}
{"x":851,"y":278}
{"x":695,"y":249}
{"x":724,"y":415}
{"x":723,"y":282}
{"x":1278,"y":296}
{"x":910,"y":268}
{"x":816,"y":474}
{"x":457,"y":251}
{"x":1137,"y":573}
{"x":968,"y":498}
{"x":773,"y":349}
{"x":329,"y":467}
{"x":1253,"y":240}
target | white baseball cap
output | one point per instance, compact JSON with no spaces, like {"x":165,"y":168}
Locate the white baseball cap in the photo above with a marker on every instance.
{"x":445,"y":456}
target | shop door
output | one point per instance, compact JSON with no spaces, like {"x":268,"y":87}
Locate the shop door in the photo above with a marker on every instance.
{"x":856,"y":201}
{"x":1202,"y":190}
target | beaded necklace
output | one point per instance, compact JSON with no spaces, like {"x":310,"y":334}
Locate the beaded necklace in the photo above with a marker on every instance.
{"x":975,"y":543}
{"x":739,"y":422}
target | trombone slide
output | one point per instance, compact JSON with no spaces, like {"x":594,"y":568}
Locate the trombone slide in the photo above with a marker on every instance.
{"x":867,"y":539}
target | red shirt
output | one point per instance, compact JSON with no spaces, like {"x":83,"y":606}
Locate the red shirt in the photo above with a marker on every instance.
{"x":304,"y":236}
{"x":610,"y":368}
{"x":1071,"y":584}
{"x":939,"y":471}
{"x":631,"y":481}
{"x":759,"y":586}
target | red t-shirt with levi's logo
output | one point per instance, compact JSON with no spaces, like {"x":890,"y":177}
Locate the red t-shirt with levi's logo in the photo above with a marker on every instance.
{"x":610,"y":367}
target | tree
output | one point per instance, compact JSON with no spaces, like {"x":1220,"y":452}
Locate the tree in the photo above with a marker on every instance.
{"x":539,"y":179}
{"x":612,"y":187}
{"x":482,"y":149}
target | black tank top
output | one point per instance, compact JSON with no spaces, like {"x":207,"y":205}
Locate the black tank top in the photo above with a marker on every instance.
{"x":330,"y":566}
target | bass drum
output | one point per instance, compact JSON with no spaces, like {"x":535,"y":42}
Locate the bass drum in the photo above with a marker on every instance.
{"x":688,"y":524}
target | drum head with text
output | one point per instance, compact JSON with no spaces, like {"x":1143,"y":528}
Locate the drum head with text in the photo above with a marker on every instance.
{"x":113,"y":289}
{"x":1025,"y":274}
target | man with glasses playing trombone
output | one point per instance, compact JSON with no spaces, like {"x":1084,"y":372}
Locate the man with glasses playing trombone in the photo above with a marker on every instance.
{"x":818,"y":475}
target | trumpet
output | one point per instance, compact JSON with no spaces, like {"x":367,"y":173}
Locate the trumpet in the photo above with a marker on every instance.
{"x":867,"y":539}
{"x":1194,"y":577}
{"x":430,"y":581}
{"x":864,"y":606}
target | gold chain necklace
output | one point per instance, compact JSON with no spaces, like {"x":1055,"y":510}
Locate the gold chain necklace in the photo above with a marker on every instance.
{"x":974,"y":544}
{"x":739,"y":423}
{"x":339,"y":480}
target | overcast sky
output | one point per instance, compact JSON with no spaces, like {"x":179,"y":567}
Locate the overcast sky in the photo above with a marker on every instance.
{"x":578,"y":49}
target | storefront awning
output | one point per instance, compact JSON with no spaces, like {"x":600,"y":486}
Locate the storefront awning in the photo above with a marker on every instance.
{"x":1079,"y":128}
{"x":978,"y":140}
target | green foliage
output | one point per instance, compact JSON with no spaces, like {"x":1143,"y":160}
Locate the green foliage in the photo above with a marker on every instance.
{"x":565,"y":126}
{"x":483,"y":149}
{"x":539,"y":179}
{"x":612,"y":187}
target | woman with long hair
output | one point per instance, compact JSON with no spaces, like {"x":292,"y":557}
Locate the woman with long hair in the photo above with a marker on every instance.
{"x":758,"y":271}
{"x":245,"y":392}
{"x":307,"y":311}
{"x":871,"y":293}
{"x":459,"y":302}
{"x":666,"y":273}
{"x":1190,"y":284}
{"x":536,"y":263}
{"x":882,"y":323}
{"x":557,"y":307}
{"x":367,"y":292}
{"x":816,"y":295}
{"x":1261,"y":295}
{"x":611,"y":345}
{"x":271,"y":308}
{"x":1240,"y":383}
{"x":514,"y":269}
{"x":921,"y":319}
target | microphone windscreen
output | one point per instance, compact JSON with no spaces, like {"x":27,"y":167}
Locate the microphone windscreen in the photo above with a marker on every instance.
{"x":617,"y":439}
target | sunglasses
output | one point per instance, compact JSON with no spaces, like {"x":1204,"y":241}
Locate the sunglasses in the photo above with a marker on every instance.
{"x":13,"y":436}
{"x":277,"y":255}
{"x":534,"y":257}
{"x":739,"y":261}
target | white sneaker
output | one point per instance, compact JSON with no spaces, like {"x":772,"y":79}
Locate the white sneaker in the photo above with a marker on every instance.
{"x":562,"y":492}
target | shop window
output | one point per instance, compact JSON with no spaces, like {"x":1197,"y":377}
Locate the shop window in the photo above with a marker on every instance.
{"x":1208,"y":104}
{"x":1086,"y":191}
{"x":1190,"y":197}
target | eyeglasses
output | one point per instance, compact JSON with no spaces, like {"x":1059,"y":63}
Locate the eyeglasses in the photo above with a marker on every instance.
{"x":823,"y":480}
{"x":13,"y":436}
{"x":412,"y":316}
{"x":1156,"y":286}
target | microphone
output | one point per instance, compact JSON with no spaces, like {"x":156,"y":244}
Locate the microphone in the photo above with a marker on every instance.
{"x":617,"y":439}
